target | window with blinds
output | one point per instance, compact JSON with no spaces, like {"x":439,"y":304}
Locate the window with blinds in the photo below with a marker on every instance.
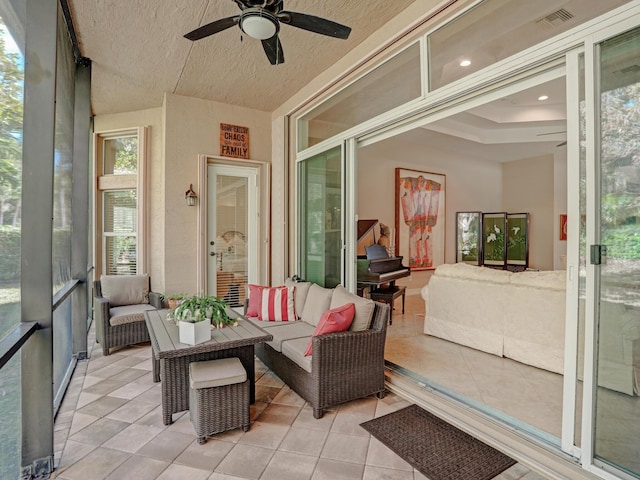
{"x":120,"y":165}
{"x":120,"y":232}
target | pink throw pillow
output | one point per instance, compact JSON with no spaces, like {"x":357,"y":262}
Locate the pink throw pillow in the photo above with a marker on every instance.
{"x":335,"y":320}
{"x":277,"y":304}
{"x":255,"y":299}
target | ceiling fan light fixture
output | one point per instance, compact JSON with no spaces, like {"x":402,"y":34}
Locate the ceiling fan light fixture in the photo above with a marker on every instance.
{"x":258,"y":23}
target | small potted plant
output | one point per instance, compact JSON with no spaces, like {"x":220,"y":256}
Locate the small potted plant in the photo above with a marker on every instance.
{"x":196,"y":316}
{"x":173,"y":300}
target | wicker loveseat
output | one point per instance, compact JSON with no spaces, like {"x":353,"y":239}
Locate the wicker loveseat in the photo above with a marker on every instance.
{"x":119,"y":305}
{"x":343,"y":366}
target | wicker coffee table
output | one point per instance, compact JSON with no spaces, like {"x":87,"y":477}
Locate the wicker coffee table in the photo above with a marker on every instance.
{"x":171,"y":358}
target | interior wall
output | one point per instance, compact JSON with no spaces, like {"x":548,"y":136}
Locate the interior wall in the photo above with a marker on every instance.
{"x":559,"y":207}
{"x":192,"y":127}
{"x":471,"y":184}
{"x":155,"y":182}
{"x":529,"y":188}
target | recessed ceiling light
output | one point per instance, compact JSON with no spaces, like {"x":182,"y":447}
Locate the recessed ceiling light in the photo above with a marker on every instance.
{"x":543,"y":97}
{"x":465,"y":63}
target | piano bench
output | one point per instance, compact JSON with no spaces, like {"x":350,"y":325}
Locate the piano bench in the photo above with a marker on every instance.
{"x":388,"y":295}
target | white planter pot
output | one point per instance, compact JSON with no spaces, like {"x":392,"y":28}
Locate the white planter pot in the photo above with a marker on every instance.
{"x":194,"y":333}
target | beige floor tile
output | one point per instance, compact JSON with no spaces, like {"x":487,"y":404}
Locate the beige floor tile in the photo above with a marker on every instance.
{"x":346,"y":448}
{"x":151,"y":395}
{"x":245,"y":461}
{"x":183,"y":472}
{"x":81,"y":420}
{"x":269,"y":379}
{"x":349,"y":423}
{"x":289,"y":466}
{"x":131,"y":411}
{"x":327,"y":469}
{"x":287,"y":396}
{"x":130,"y":390}
{"x":105,"y":387}
{"x":305,"y":441}
{"x":132,"y":438}
{"x":96,"y":465}
{"x":153,"y":418}
{"x":73,"y":452}
{"x":280,"y":414}
{"x":99,"y":431}
{"x":305,"y":419}
{"x":264,"y":435}
{"x":166,"y":446}
{"x":139,"y":468}
{"x":381,"y":473}
{"x":205,"y":457}
{"x":85,"y":398}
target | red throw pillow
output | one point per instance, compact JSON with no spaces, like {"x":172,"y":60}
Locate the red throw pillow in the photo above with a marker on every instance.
{"x":335,"y":320}
{"x":255,"y":299}
{"x":277,"y":304}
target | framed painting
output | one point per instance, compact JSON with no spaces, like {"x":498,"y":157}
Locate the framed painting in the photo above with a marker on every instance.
{"x":468,"y":237}
{"x":518,"y":239}
{"x":494,"y":240}
{"x":420,"y":219}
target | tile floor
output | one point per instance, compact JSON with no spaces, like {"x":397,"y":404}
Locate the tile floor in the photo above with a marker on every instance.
{"x":109,"y":426}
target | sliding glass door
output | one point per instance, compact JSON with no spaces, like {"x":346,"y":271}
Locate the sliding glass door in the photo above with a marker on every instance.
{"x":320,"y":214}
{"x":617,"y":257}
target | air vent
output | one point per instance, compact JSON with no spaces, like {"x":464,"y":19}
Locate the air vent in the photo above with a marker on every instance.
{"x":556,"y":18}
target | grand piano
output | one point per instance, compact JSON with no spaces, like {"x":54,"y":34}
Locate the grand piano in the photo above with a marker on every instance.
{"x":377,"y":270}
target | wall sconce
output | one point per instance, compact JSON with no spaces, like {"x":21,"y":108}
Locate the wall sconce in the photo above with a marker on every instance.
{"x":190,"y":196}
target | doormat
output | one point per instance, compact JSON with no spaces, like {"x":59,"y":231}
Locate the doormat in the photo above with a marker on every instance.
{"x":435,"y":448}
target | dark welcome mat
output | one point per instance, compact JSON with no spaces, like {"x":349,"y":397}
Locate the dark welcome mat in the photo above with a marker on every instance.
{"x":437,"y":449}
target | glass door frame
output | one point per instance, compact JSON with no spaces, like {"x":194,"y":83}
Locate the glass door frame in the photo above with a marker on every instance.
{"x":346,"y":208}
{"x":592,"y":99}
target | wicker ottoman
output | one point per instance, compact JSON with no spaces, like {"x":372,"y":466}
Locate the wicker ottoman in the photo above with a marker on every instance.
{"x":218,"y":396}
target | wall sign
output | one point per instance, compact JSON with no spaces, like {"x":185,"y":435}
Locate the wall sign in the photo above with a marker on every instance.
{"x":234,"y":141}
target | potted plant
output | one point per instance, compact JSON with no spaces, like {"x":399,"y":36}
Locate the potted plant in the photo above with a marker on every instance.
{"x":173,"y":300}
{"x":197,"y":314}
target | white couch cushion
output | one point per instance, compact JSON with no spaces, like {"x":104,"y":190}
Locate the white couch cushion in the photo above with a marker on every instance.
{"x":294,"y":350}
{"x":318,"y":301}
{"x":128,"y":314}
{"x":364,"y":307}
{"x":302,"y":289}
{"x":288,"y":331}
{"x":125,"y":289}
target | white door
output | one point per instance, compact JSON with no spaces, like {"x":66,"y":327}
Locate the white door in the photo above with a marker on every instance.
{"x":232,"y":229}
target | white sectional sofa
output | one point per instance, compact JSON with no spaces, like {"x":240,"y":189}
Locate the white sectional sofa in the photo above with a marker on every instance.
{"x":521,"y":315}
{"x":516,"y":315}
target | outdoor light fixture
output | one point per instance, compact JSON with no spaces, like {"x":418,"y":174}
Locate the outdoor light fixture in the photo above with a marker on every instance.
{"x":543,"y":98}
{"x":258,"y":23}
{"x":465,"y":63}
{"x":190,"y":196}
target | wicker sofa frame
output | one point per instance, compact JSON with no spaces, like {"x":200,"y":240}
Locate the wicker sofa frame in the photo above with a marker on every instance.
{"x":345,"y":366}
{"x":111,"y":336}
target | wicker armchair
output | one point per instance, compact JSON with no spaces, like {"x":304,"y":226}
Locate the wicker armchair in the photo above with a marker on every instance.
{"x":119,"y":305}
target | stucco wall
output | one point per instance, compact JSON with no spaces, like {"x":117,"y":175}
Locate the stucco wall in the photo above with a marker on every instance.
{"x":192,"y":127}
{"x":529,"y":187}
{"x":151,"y":118}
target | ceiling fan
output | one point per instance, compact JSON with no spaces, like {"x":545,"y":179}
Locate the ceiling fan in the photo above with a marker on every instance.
{"x":261,"y":19}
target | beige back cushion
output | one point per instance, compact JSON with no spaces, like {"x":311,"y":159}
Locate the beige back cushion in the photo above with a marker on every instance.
{"x":317,"y":302}
{"x":125,"y":289}
{"x":302,"y":289}
{"x":364,"y":307}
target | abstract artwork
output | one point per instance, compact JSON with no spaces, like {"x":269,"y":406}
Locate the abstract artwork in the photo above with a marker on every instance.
{"x":420,"y":225}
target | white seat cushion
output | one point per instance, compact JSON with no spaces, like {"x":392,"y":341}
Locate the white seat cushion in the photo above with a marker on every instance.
{"x":294,"y":350}
{"x":289,"y":331}
{"x":128,"y":314}
{"x":216,"y":373}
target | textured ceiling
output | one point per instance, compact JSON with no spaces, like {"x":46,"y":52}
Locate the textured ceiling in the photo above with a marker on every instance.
{"x":138,"y":51}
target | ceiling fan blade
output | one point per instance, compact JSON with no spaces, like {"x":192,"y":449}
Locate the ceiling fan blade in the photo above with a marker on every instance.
{"x":273,"y":49}
{"x":213,"y":27}
{"x":315,"y":24}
